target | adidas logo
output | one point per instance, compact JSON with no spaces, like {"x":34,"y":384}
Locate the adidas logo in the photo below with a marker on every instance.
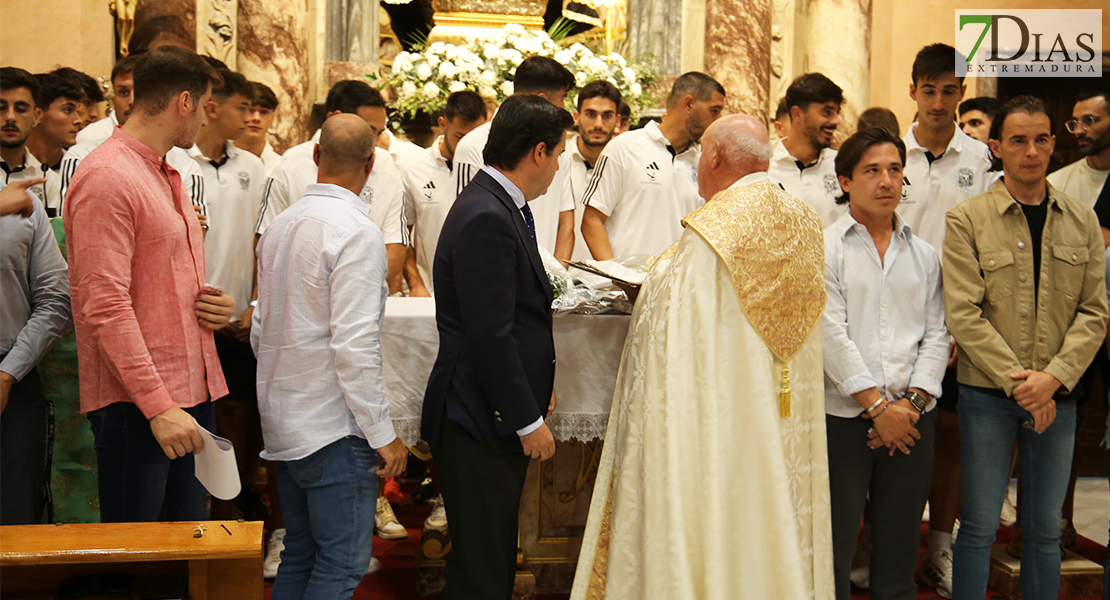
{"x":429,"y":190}
{"x":653,"y":167}
{"x":652,"y":170}
{"x":431,"y":186}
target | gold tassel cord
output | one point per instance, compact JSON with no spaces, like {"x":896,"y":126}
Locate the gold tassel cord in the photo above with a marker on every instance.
{"x":784,"y":394}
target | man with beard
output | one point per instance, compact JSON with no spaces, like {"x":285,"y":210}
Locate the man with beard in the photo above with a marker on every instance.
{"x":803,"y":162}
{"x":430,"y":192}
{"x":646,"y":180}
{"x":144,"y":316}
{"x":597,"y":120}
{"x":1085,"y":179}
{"x":123,"y":98}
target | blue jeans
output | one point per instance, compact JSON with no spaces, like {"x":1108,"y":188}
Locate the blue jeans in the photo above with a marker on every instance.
{"x":137,"y":482}
{"x":328,"y":499}
{"x":988,"y":426}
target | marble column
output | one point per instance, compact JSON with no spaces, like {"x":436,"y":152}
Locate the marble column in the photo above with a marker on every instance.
{"x":652,"y":25}
{"x":164,"y":22}
{"x":351,"y":50}
{"x":738,"y":53}
{"x":216,"y":25}
{"x":838,"y":44}
{"x":273,"y":49}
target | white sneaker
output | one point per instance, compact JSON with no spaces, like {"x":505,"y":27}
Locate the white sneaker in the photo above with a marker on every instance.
{"x":937,"y":572}
{"x":273,"y":554}
{"x":375,"y":566}
{"x":438,"y":519}
{"x":860,"y":574}
{"x":389,"y":528}
{"x":925,"y":514}
{"x":1009,"y":513}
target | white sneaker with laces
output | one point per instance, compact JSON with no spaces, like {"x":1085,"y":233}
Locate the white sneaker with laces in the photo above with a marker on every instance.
{"x":375,"y":566}
{"x":273,"y":554}
{"x":389,"y":528}
{"x":438,"y":519}
{"x":937,"y":572}
{"x":1009,"y":513}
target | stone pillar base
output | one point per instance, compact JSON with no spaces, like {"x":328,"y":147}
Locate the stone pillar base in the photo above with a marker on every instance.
{"x":1079,"y":577}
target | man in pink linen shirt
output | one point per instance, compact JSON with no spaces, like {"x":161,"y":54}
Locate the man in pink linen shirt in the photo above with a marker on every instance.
{"x":148,"y":363}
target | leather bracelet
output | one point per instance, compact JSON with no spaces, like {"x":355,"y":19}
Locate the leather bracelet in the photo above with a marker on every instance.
{"x":875,"y":405}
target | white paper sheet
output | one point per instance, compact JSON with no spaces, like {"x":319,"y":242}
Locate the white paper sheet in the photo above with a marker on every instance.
{"x":216,"y":467}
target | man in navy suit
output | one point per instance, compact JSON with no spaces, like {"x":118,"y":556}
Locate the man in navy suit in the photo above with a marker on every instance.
{"x":491,"y":386}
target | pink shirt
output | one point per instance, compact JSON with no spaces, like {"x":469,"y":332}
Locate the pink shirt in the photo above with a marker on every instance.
{"x":136,"y":266}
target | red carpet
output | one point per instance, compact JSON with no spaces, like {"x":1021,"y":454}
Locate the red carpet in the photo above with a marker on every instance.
{"x":398,"y":580}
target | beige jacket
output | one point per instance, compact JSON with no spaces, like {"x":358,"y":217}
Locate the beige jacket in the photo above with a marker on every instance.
{"x":989,"y":295}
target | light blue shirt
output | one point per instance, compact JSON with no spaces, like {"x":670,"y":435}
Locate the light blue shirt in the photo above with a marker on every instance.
{"x":321,"y":298}
{"x":883,"y":324}
{"x":518,"y":199}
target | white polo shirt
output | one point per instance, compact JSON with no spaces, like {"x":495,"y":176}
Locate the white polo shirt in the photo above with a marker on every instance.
{"x":192,"y":180}
{"x":234,"y":193}
{"x":52,"y":198}
{"x":545,"y":209}
{"x":383,"y":192}
{"x":580,"y":174}
{"x":430,"y":192}
{"x":1079,"y":181}
{"x":929,"y":190}
{"x":270,"y":158}
{"x":31,"y":169}
{"x":401,"y":150}
{"x":645,"y":190}
{"x":814,"y":184}
{"x":99,"y":130}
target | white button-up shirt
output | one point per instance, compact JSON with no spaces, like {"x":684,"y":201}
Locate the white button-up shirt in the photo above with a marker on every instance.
{"x":321,"y":298}
{"x":883,"y":324}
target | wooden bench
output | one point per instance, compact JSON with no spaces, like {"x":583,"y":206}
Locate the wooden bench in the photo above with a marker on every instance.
{"x":224,"y":563}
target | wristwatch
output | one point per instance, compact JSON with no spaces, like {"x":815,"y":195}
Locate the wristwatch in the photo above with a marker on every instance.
{"x":918,"y":401}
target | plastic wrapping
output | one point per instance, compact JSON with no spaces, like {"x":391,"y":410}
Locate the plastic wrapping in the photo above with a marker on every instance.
{"x":579,"y":292}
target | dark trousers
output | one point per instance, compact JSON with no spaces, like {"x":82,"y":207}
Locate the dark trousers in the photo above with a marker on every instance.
{"x":23,"y":456}
{"x":481,"y":492}
{"x":898,"y":486}
{"x":138,"y":482}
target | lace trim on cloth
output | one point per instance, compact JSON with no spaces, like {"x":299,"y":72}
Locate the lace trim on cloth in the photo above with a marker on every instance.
{"x":565,"y":427}
{"x":773,"y":246}
{"x":584,"y":427}
{"x":600,"y":568}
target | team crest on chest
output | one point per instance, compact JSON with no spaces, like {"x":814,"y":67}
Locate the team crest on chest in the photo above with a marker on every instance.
{"x":244,"y":180}
{"x":965,"y":178}
{"x":831,"y":184}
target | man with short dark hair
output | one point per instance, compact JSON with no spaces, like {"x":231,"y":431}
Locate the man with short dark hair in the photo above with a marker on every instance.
{"x":597,"y":120}
{"x":255,"y":138}
{"x":885,"y":350}
{"x":143,"y":313}
{"x":976,"y":116}
{"x":625,"y":113}
{"x":803,"y":162}
{"x":34,"y":289}
{"x":492,"y":383}
{"x":645,"y":181}
{"x":782,"y":119}
{"x":321,"y":297}
{"x":1085,"y":179}
{"x":554,"y":211}
{"x":384,"y":191}
{"x":94,"y":95}
{"x":944,"y":167}
{"x":1026,"y":301}
{"x":61,"y":100}
{"x":123,"y":86}
{"x":430,"y":185}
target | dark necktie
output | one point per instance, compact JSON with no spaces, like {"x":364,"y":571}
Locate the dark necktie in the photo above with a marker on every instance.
{"x":527,"y":212}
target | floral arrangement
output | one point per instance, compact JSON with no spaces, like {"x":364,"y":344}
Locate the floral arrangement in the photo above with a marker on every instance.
{"x":422,"y":80}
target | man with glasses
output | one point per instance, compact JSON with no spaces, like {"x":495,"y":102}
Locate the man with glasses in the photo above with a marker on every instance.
{"x":1085,"y":179}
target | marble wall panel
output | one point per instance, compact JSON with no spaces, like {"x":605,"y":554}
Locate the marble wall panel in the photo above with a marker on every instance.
{"x":161,"y":22}
{"x":216,"y":27}
{"x":738,"y":53}
{"x":838,"y":44}
{"x":273,"y":49}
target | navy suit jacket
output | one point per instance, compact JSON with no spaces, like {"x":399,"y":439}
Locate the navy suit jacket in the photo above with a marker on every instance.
{"x":496,"y":364}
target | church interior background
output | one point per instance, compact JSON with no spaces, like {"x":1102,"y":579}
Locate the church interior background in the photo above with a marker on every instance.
{"x":755,"y":48}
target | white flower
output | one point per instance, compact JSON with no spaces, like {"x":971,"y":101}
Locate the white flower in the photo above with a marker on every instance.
{"x":636,"y":90}
{"x":581,"y":78}
{"x":562,"y":57}
{"x":408,"y":88}
{"x":431,"y":91}
{"x":514,"y":28}
{"x":433,"y":60}
{"x":437,"y":47}
{"x":423,"y":71}
{"x":487,"y":79}
{"x":456,"y":86}
{"x":629,"y":75}
{"x":507,"y":88}
{"x":487,"y":91}
{"x":448,"y":70}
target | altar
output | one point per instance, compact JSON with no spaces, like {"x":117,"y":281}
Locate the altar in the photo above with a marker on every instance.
{"x":556,"y":497}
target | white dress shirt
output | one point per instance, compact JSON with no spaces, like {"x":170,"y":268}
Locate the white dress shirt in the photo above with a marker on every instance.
{"x":518,"y":199}
{"x":815,"y":184}
{"x":321,"y":298}
{"x":883,"y":324}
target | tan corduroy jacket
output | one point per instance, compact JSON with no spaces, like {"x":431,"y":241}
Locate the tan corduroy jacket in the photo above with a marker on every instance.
{"x":989,"y":295}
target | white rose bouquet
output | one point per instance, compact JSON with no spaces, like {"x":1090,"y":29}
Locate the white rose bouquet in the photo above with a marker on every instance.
{"x":422,"y":80}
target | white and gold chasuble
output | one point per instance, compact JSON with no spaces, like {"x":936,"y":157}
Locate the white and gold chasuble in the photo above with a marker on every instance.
{"x":713,"y":483}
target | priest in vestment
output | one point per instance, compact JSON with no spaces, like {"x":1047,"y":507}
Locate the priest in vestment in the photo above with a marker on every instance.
{"x":714,"y":482}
